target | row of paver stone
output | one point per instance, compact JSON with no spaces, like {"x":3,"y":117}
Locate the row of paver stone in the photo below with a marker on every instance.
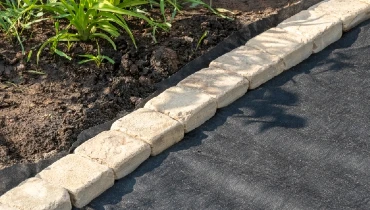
{"x":80,"y":177}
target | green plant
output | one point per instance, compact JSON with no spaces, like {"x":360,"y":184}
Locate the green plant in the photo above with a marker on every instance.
{"x":92,"y":20}
{"x":97,"y":18}
{"x":174,"y":4}
{"x":69,"y":45}
{"x":61,"y":35}
{"x":17,"y":15}
{"x":98,"y":59}
{"x":29,"y":56}
{"x":204,"y":35}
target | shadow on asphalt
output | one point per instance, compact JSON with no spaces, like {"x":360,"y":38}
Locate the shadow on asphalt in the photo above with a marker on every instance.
{"x":267,"y":105}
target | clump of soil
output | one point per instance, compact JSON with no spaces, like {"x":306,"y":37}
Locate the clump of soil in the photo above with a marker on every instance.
{"x":44,"y":107}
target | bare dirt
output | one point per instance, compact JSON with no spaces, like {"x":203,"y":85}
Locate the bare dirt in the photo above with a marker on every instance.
{"x":42,"y":112}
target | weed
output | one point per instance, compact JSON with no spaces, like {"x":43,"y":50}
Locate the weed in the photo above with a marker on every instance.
{"x":205,"y":34}
{"x":17,"y":15}
{"x":62,"y":35}
{"x":98,"y":59}
{"x":29,"y":55}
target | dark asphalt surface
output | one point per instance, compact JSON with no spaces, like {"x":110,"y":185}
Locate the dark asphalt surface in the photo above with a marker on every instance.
{"x":300,"y":141}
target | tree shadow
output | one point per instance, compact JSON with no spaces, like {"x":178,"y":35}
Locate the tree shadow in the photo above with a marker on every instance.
{"x":270,"y":102}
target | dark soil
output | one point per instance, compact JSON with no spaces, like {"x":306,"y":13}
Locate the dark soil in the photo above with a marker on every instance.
{"x":41,"y":114}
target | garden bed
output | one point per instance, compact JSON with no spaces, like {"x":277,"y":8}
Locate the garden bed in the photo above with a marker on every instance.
{"x":44,"y":107}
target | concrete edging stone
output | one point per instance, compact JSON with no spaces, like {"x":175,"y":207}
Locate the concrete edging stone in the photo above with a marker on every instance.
{"x":35,"y":193}
{"x":83,"y":178}
{"x":158,"y":130}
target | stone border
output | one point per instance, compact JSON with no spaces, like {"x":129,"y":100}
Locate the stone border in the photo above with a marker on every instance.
{"x":167,"y":117}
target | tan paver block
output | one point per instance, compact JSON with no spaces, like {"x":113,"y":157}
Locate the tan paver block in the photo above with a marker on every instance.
{"x":83,"y":178}
{"x":6,"y":207}
{"x":120,"y":152}
{"x":321,"y":29}
{"x":190,"y":107}
{"x":223,"y":85}
{"x":158,"y":130}
{"x":254,"y":64}
{"x":37,"y":194}
{"x":291,"y":48}
{"x":350,"y":12}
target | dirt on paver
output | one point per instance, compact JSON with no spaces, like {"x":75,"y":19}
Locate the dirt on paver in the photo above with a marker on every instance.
{"x":44,"y":107}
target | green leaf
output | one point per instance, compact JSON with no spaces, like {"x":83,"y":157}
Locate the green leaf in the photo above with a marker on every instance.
{"x":104,"y":36}
{"x":108,"y":59}
{"x":205,"y":34}
{"x":88,"y":56}
{"x":107,"y":7}
{"x":133,"y":3}
{"x":85,"y":61}
{"x":29,"y":56}
{"x":109,"y":29}
{"x":161,"y":6}
{"x":28,"y":25}
{"x":62,"y":54}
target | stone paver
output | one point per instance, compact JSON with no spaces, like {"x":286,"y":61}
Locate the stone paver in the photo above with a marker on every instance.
{"x":322,"y":29}
{"x":190,"y":107}
{"x":291,"y":48}
{"x":254,"y":64}
{"x":224,"y":86}
{"x":83,"y":178}
{"x":351,"y":12}
{"x":158,"y":130}
{"x":120,"y":152}
{"x":36,"y":194}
